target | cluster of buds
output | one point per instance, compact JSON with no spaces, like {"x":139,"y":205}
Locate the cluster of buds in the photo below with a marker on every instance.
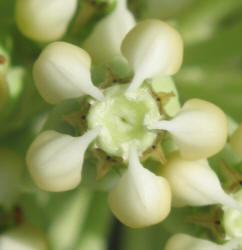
{"x":126,"y":121}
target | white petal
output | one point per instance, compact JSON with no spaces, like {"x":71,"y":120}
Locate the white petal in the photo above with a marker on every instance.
{"x":23,"y":237}
{"x":55,"y":160}
{"x":62,"y":71}
{"x":199,"y":129}
{"x":194,"y":183}
{"x":44,"y":20}
{"x":105,"y":41}
{"x":236,"y":141}
{"x":152,"y":47}
{"x":186,"y":242}
{"x":140,"y":198}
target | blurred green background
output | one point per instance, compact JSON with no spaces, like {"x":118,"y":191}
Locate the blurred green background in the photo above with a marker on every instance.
{"x":212,"y":70}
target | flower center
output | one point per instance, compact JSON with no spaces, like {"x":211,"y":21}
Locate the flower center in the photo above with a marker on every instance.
{"x":124,"y":119}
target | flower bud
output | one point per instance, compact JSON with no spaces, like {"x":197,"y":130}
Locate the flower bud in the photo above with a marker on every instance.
{"x":236,"y":141}
{"x":105,"y":41}
{"x":232,"y":219}
{"x":199,"y":129}
{"x":44,"y":20}
{"x":62,"y":71}
{"x":194,"y":183}
{"x":140,"y":198}
{"x":55,"y":159}
{"x":152,"y":47}
{"x":23,"y":238}
{"x":186,"y":242}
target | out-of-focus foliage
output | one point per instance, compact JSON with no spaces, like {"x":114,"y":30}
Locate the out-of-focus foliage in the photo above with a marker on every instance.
{"x":80,"y":219}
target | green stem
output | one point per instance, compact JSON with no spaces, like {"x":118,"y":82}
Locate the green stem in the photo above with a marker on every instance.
{"x":95,"y":230}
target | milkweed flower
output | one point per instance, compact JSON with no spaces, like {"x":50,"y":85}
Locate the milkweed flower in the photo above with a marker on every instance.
{"x":125,"y":121}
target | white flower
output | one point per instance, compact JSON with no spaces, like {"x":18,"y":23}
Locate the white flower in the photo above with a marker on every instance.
{"x":140,"y":198}
{"x":186,"y":242}
{"x":199,"y":129}
{"x":55,"y":160}
{"x":194,"y":183}
{"x":126,"y":115}
{"x":106,"y":38}
{"x":44,"y":20}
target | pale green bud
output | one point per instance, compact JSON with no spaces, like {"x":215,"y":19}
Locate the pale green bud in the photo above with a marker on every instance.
{"x":44,"y":20}
{"x":140,"y":198}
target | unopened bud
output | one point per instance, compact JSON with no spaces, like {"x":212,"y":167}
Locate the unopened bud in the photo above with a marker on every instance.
{"x":44,"y":20}
{"x":140,"y":198}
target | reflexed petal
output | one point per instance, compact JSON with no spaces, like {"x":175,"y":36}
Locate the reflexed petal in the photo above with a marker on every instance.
{"x":152,"y":47}
{"x":44,"y":20}
{"x":194,"y":183}
{"x":236,"y":141}
{"x":199,"y":129}
{"x":140,"y":198}
{"x":105,"y":41}
{"x":62,"y":71}
{"x":186,"y":242}
{"x":55,"y":160}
